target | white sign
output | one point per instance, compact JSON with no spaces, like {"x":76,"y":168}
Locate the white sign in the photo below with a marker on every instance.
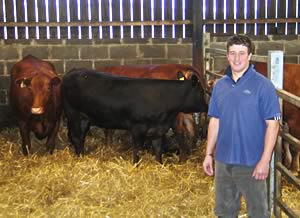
{"x":275,"y":68}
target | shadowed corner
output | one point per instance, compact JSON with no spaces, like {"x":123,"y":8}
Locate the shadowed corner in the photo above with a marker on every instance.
{"x":7,"y":118}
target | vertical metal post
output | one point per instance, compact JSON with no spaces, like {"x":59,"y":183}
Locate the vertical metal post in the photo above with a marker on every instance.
{"x":275,"y":73}
{"x":206,"y":56}
{"x":198,"y":35}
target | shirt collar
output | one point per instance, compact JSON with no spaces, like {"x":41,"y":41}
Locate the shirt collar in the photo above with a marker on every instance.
{"x":228,"y":73}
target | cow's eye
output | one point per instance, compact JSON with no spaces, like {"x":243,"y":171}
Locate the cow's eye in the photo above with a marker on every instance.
{"x":22,"y":84}
{"x":25,"y":83}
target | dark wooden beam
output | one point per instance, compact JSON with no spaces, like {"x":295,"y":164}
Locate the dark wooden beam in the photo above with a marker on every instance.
{"x":252,"y":21}
{"x":197,"y":35}
{"x":196,"y":19}
{"x":95,"y":24}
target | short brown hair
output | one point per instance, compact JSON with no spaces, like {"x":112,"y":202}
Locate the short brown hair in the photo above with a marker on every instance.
{"x":240,"y":40}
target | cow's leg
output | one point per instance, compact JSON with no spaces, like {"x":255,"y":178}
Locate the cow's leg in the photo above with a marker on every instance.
{"x":182,"y":146}
{"x":185,"y":149}
{"x":165,"y":147}
{"x":74,"y":127}
{"x":84,"y":127}
{"x":74,"y":135}
{"x":295,"y":160}
{"x":108,"y":136}
{"x":69,"y":132}
{"x":203,"y":125}
{"x":157,"y":146}
{"x":185,"y":134}
{"x":287,"y":159}
{"x":185,"y":143}
{"x":78,"y":132}
{"x":51,"y":139}
{"x":25,"y":135}
{"x":139,"y":138}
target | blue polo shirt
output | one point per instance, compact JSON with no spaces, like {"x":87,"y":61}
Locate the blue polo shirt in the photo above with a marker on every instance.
{"x":242,"y":108}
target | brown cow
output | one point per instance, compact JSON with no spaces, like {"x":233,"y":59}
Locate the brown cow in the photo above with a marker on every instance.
{"x":291,"y":113}
{"x":36,"y":101}
{"x":184,"y":127}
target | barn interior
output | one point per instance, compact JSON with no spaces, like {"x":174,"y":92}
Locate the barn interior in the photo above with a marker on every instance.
{"x":95,"y":34}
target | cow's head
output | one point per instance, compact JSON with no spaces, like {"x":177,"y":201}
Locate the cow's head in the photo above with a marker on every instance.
{"x":41,"y":89}
{"x":181,"y":76}
{"x":185,"y":74}
{"x":193,"y":77}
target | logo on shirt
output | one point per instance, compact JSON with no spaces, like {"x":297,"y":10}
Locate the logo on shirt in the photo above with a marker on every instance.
{"x":246,"y":91}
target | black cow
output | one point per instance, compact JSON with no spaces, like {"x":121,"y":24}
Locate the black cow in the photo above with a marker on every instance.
{"x":145,"y":107}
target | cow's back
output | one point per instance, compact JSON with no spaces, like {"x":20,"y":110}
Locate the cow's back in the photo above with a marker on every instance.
{"x":163,"y":71}
{"x":92,"y":92}
{"x":159,"y":71}
{"x":102,"y":86}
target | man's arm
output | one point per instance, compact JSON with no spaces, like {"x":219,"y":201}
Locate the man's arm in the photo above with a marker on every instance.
{"x":261,"y":170}
{"x":213,"y":129}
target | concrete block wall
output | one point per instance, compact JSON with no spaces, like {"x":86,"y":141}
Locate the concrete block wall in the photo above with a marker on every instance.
{"x":68,"y":54}
{"x":262,"y":44}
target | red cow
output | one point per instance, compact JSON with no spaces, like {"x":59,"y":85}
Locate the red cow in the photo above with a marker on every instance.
{"x":291,"y":113}
{"x":184,"y":127}
{"x":36,"y":101}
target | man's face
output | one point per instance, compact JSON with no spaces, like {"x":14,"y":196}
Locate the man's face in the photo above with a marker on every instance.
{"x":238,"y":58}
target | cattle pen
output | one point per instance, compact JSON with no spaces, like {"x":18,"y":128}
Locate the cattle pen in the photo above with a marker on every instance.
{"x":99,"y":33}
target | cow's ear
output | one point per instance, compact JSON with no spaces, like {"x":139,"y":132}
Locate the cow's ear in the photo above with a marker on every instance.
{"x":195,"y":80}
{"x":180,"y":76}
{"x":55,"y":81}
{"x":23,"y":82}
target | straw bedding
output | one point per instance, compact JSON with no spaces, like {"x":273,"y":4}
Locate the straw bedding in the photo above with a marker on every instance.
{"x":103,"y":183}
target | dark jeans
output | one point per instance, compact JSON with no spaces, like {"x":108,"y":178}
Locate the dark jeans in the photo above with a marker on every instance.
{"x":233,"y":181}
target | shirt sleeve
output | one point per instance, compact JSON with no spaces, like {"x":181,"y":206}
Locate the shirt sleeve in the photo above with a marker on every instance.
{"x":269,"y":104}
{"x":213,"y":107}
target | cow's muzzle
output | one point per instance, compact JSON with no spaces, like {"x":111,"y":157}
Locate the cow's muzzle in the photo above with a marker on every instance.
{"x":37,"y":110}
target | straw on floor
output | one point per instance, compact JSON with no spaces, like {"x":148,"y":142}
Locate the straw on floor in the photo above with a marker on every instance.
{"x":103,"y":183}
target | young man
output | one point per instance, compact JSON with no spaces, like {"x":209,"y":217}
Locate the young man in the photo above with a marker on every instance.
{"x":242,"y":133}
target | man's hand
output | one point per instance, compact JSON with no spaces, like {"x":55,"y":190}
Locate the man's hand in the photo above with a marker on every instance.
{"x":208,"y":165}
{"x":261,"y":170}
